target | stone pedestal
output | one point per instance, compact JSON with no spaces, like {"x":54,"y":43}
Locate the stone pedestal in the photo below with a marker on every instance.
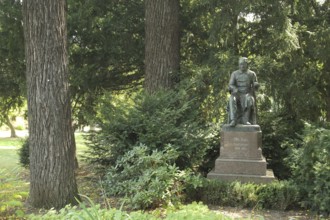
{"x":241,"y":157}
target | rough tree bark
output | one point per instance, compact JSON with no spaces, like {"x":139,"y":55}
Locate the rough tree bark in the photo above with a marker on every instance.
{"x":162,"y":44}
{"x":52,"y":144}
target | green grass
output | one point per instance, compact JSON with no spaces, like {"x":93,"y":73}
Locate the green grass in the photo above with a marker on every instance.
{"x":7,"y":141}
{"x":194,"y":211}
{"x":9,"y":156}
{"x":80,"y":144}
{"x":13,"y":193}
{"x":9,"y":159}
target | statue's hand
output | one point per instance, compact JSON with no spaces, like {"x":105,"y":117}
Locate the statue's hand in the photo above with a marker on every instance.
{"x":234,"y":91}
{"x":256,"y":85}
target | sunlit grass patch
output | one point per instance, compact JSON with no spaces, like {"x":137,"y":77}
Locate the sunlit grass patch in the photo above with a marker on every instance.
{"x":80,"y":144}
{"x":13,"y":193}
{"x":9,"y":159}
{"x":9,"y":152}
{"x":14,"y":142}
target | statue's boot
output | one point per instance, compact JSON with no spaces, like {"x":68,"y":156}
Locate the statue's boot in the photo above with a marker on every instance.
{"x":232,"y":112}
{"x":232,"y":123}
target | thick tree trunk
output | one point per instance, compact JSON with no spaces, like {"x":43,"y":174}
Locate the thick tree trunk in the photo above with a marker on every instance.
{"x":52,"y":144}
{"x":162,"y":44}
{"x":328,"y":108}
{"x":327,"y":89}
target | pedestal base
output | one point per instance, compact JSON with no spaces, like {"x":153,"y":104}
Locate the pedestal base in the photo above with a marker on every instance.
{"x":241,"y":157}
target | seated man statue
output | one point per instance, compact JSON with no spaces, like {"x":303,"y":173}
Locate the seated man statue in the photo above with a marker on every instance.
{"x":242,"y":86}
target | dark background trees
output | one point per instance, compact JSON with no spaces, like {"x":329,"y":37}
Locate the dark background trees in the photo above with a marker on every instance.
{"x":106,"y":50}
{"x":12,"y":68}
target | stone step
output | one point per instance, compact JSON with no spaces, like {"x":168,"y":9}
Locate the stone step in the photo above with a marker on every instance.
{"x":269,"y":177}
{"x":237,"y":166}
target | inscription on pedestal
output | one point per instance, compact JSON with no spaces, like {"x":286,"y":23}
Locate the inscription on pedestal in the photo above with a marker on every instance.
{"x":240,"y":144}
{"x":244,"y":145}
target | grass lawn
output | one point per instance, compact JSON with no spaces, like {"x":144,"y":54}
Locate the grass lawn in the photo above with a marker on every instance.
{"x":80,"y":144}
{"x":9,"y":152}
{"x":9,"y":159}
{"x":7,"y":141}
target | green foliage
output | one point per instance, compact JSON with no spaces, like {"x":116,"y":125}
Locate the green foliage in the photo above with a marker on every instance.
{"x":276,"y":195}
{"x":281,"y":137}
{"x":281,"y":195}
{"x":156,"y":121}
{"x":149,"y":180}
{"x":19,"y":127}
{"x":150,"y":143}
{"x":12,"y":78}
{"x":94,"y":213}
{"x":194,"y":211}
{"x":23,"y":153}
{"x":312,"y":171}
{"x":106,"y":50}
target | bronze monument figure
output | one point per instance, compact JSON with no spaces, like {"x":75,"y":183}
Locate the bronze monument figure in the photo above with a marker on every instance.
{"x":242,"y":86}
{"x":241,"y":156}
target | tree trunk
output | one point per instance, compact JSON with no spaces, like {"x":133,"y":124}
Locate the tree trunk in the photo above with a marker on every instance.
{"x":162,"y":44}
{"x":11,"y":127}
{"x":51,"y":137}
{"x":328,"y":108}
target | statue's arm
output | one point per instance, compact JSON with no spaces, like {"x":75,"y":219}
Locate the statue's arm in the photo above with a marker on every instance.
{"x":255,"y":81}
{"x":232,"y":84}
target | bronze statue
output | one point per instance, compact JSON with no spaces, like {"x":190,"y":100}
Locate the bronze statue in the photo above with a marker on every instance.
{"x":242,"y":86}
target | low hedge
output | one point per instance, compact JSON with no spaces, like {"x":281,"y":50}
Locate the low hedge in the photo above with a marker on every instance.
{"x":279,"y":195}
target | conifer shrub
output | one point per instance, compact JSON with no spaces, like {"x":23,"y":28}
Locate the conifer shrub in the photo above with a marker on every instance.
{"x":312,"y":169}
{"x":156,"y":121}
{"x":151,"y":147}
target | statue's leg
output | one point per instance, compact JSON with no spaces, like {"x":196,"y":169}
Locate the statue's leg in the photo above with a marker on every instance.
{"x":247,"y":116}
{"x":233,"y":110}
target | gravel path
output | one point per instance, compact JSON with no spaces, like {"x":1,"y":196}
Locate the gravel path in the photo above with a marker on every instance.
{"x":8,"y":148}
{"x":238,"y":213}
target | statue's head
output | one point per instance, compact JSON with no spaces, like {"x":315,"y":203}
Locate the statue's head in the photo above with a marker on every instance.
{"x":243,"y":63}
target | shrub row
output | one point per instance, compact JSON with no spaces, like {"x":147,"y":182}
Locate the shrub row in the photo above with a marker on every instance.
{"x":279,"y":195}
